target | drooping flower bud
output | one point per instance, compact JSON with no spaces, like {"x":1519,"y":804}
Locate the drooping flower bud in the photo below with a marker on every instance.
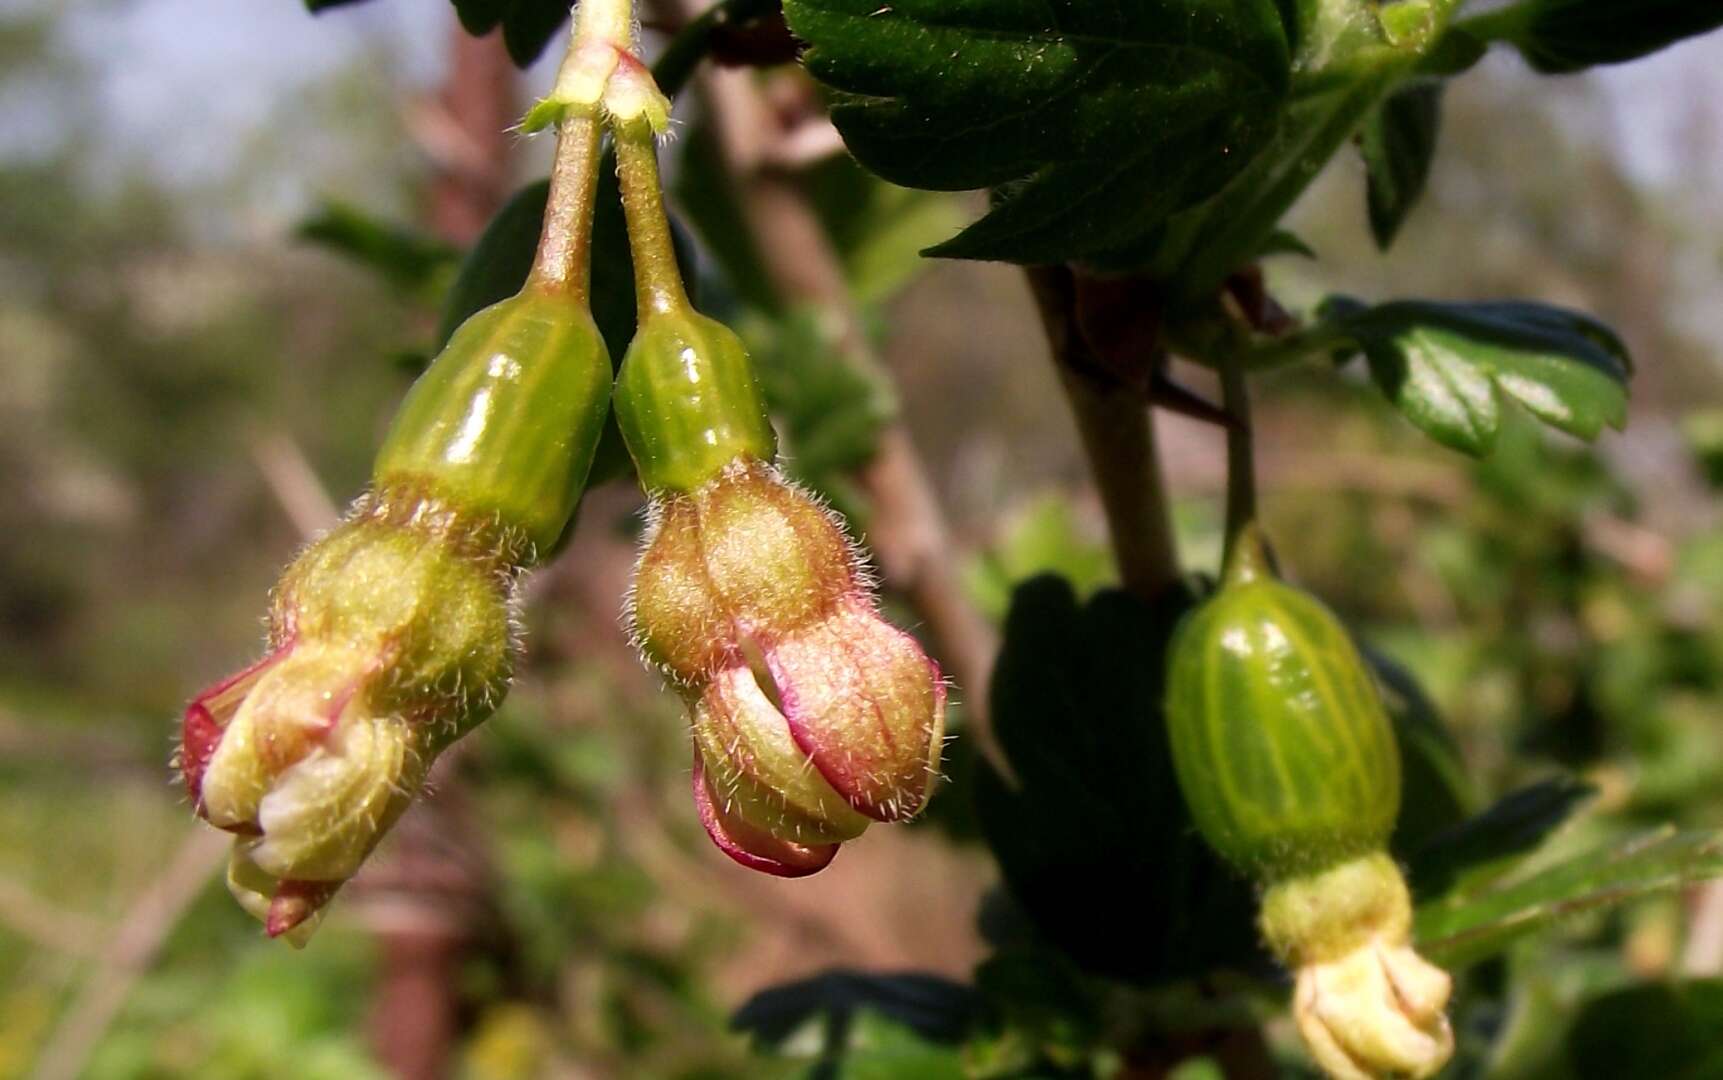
{"x":1367,"y":1005}
{"x":812,"y":715}
{"x":390,"y":638}
{"x":1288,"y":763}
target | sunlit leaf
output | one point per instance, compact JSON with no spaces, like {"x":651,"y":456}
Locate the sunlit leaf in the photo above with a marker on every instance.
{"x":1448,"y":366}
{"x":1093,"y":121}
{"x":1465,"y":930}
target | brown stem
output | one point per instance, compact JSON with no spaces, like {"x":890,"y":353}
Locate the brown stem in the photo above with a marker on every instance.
{"x":1117,"y":429}
{"x":908,"y":532}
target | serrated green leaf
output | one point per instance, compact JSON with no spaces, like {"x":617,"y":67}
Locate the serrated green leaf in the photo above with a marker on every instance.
{"x":1447,"y":366}
{"x":1094,"y":121}
{"x":1201,"y":245}
{"x":1398,"y":142}
{"x":1667,"y":1030}
{"x":1465,"y":930}
{"x":1077,"y":695}
{"x":528,"y":25}
{"x":1561,"y":36}
{"x":1488,"y":843}
{"x":406,"y":258}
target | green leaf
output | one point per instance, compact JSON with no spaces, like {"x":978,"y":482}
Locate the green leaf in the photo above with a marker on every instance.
{"x":527,"y":24}
{"x":1447,"y":366}
{"x":1462,"y":931}
{"x":1398,"y":142}
{"x":828,"y":411}
{"x":1285,"y":242}
{"x":1093,"y":839}
{"x":498,"y":264}
{"x":1560,"y":36}
{"x":1200,"y":246}
{"x":828,"y":1004}
{"x":1666,"y":1030}
{"x":314,"y":6}
{"x":1436,"y":793}
{"x":1489,"y":843}
{"x":407,"y":258}
{"x":1095,"y":121}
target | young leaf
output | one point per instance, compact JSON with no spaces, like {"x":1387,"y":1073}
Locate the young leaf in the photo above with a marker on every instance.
{"x":1465,"y":930}
{"x":1514,"y":826}
{"x":1398,"y":142}
{"x":1560,"y":36}
{"x":1446,"y":366}
{"x":1095,"y":120}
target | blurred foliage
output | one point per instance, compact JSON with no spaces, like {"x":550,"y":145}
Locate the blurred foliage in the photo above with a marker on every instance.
{"x":1545,"y":619}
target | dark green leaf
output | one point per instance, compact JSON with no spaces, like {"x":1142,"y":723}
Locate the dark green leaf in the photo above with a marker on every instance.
{"x":933,"y":1007}
{"x":1667,"y":1030}
{"x":1200,"y":246}
{"x":1040,"y":997}
{"x":1285,"y":242}
{"x":1436,"y":793}
{"x":315,"y":6}
{"x":1559,"y":36}
{"x":1095,"y":121}
{"x":1514,"y":826}
{"x":1398,"y":142}
{"x":1461,"y":931}
{"x":1094,"y":840}
{"x":406,"y":258}
{"x":527,"y":24}
{"x":498,"y":264}
{"x":1447,"y":366}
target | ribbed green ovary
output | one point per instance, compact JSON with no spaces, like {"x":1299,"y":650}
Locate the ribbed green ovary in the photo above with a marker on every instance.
{"x":688,"y":403}
{"x":507,"y":418}
{"x":1285,"y":754}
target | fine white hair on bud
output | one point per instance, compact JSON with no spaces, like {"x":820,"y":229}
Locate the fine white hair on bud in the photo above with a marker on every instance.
{"x":812,"y":715}
{"x":395,"y":633}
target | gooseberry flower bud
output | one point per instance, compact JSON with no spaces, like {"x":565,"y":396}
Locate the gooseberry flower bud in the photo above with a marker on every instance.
{"x":390,"y":638}
{"x":812,"y":715}
{"x":1366,"y":1004}
{"x":1288,"y":763}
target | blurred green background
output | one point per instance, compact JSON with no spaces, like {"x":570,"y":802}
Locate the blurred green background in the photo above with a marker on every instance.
{"x":189,"y":382}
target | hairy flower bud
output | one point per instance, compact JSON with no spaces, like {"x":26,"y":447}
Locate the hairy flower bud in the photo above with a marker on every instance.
{"x":1367,"y":1005}
{"x":812,"y":715}
{"x":390,"y":637}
